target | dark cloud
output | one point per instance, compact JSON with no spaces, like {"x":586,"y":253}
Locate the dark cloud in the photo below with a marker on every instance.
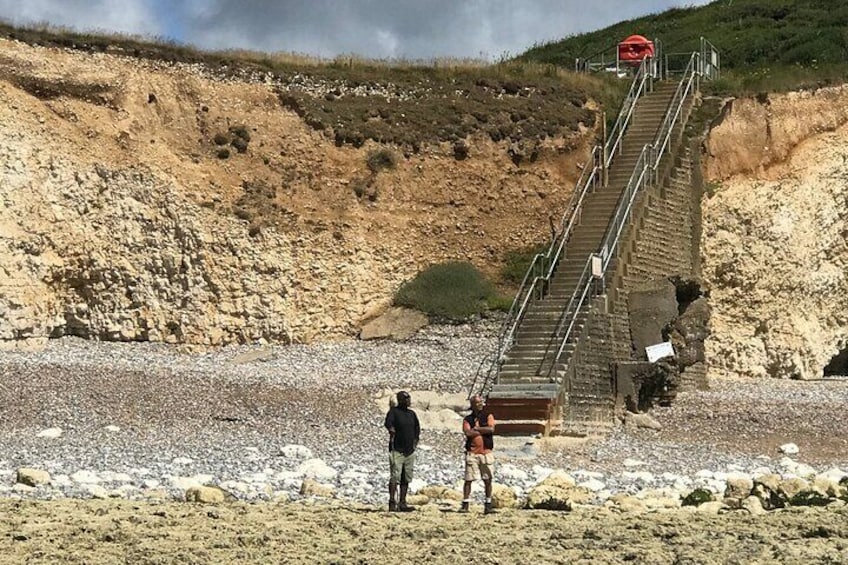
{"x":414,"y":29}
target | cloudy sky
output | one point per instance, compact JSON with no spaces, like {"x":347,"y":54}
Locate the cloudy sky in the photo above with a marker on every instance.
{"x":410,"y":29}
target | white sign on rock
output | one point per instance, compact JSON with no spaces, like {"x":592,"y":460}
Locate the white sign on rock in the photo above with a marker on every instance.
{"x":659,"y":351}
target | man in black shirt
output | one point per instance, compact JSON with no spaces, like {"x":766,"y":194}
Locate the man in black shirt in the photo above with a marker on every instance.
{"x":404,"y":432}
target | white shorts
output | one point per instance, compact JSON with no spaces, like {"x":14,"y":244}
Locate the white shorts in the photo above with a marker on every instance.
{"x":479,"y":466}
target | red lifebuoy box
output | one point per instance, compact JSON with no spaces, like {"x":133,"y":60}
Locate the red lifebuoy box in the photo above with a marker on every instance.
{"x":634,"y":49}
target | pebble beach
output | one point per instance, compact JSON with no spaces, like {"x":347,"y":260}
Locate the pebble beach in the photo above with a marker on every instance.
{"x":141,"y":416}
{"x":141,"y":423}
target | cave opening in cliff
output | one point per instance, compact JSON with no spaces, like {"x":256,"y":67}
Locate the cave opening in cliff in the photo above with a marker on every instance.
{"x":838,"y":366}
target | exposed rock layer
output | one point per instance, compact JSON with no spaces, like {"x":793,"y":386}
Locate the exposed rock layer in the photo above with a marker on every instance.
{"x":120,"y":221}
{"x":775,"y":255}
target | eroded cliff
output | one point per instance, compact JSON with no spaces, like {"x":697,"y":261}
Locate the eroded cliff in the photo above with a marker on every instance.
{"x":121,"y":219}
{"x":775,"y":235}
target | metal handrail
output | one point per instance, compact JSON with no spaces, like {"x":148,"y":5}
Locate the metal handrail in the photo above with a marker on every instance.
{"x":646,"y":164}
{"x":622,"y":212}
{"x":554,"y":253}
{"x":532,"y":281}
{"x":486,"y":360}
{"x":609,"y":56}
{"x":535,"y":282}
{"x":629,"y":104}
{"x":671,"y":117}
{"x":585,"y":275}
{"x":587,"y":278}
{"x":710,"y":67}
{"x":586,"y":64}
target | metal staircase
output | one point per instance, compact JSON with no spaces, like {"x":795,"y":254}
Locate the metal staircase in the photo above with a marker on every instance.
{"x":531,"y":379}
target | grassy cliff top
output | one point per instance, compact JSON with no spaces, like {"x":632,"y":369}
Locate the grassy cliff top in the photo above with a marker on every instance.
{"x":405,"y":103}
{"x":766,"y":45}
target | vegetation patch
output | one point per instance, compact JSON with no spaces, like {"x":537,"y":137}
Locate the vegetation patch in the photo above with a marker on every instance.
{"x":404,"y":103}
{"x":499,"y":303}
{"x":809,"y":498}
{"x":50,"y":88}
{"x":426,"y":107}
{"x":258,"y":206}
{"x":697,"y":497}
{"x":518,"y":261}
{"x":765,"y":45}
{"x":240,"y":138}
{"x":381,"y":160}
{"x":555,"y":504}
{"x":820,"y":532}
{"x":239,"y":144}
{"x":453,"y":291}
{"x":241,"y":132}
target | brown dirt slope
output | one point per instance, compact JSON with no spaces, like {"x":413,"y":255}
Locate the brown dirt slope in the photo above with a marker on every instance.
{"x":247,"y":170}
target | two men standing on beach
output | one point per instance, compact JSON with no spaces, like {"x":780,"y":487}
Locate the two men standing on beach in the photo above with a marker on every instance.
{"x":404,"y":433}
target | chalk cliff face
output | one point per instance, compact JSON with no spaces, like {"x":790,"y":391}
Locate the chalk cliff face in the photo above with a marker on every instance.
{"x":775,"y":235}
{"x":121,"y":221}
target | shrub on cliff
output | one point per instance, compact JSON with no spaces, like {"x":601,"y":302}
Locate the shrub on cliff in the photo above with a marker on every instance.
{"x":517,"y":261}
{"x":454,"y":290}
{"x":241,"y":132}
{"x":381,"y":159}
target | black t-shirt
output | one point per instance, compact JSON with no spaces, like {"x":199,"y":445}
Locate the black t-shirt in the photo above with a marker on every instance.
{"x":407,"y":429}
{"x":479,"y":419}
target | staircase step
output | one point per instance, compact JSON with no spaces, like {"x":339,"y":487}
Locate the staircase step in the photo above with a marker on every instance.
{"x":518,"y":390}
{"x":542,"y":394}
{"x":526,"y":372}
{"x":521,"y":428}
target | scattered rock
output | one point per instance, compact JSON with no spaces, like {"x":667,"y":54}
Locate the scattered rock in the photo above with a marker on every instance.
{"x":205,"y":495}
{"x":32,"y":477}
{"x":753,"y":505}
{"x":317,"y":469}
{"x":441,"y":493}
{"x":641,"y":420}
{"x":309,"y":487}
{"x":50,"y":433}
{"x":417,"y":499}
{"x":396,"y":323}
{"x":739,"y":488}
{"x":789,"y":449}
{"x":503,"y":497}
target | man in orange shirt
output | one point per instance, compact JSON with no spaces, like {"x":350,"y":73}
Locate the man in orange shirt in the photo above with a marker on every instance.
{"x":479,"y":426}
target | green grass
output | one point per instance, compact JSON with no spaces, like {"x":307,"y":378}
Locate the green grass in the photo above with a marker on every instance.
{"x":517,"y":261}
{"x":454,"y":291}
{"x":766,"y":45}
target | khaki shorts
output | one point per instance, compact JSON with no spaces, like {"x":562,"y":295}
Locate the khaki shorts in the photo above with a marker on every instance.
{"x":401,"y":467}
{"x":479,"y":466}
